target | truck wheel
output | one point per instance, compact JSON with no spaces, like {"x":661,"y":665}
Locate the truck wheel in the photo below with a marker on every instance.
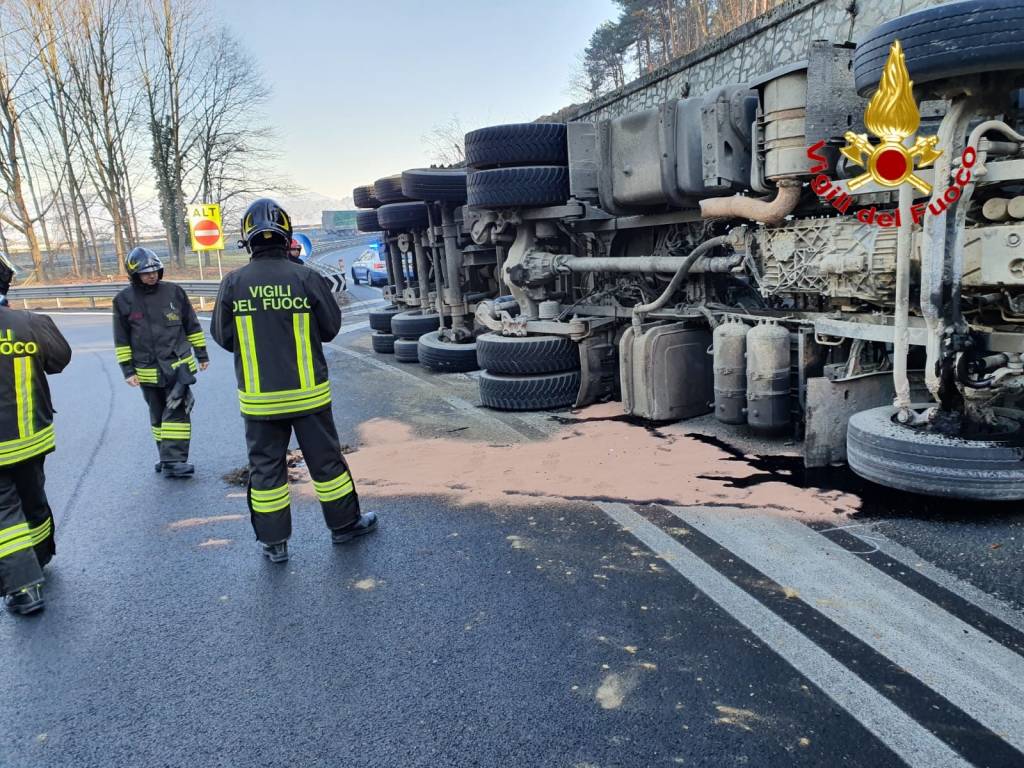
{"x":403,"y":216}
{"x":366,"y":221}
{"x":445,"y":357}
{"x":389,"y":190}
{"x":380,"y":320}
{"x":414,"y":323}
{"x":362,"y":197}
{"x":526,"y":354}
{"x":407,"y":350}
{"x":890,"y":454}
{"x":447,"y":185}
{"x":529,"y":393}
{"x":384,"y":343}
{"x":517,"y":144}
{"x":945,"y":42}
{"x":515,"y":187}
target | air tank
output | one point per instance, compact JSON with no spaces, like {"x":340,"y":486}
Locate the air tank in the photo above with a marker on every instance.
{"x":729,"y":349}
{"x":768,"y":377}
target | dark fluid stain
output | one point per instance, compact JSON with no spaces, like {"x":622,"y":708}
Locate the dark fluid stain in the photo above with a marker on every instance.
{"x":876,"y":500}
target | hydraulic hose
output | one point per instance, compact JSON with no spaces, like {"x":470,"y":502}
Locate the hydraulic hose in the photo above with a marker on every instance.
{"x":641,"y":310}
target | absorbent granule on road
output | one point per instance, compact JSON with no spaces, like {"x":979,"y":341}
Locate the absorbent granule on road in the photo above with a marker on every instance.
{"x":593,"y":459}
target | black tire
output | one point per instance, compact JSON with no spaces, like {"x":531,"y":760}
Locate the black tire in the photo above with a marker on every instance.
{"x":526,"y":354}
{"x":515,"y":187}
{"x":355,"y":280}
{"x":414,"y":323}
{"x":389,"y":190}
{"x":366,"y":221}
{"x":362,"y":197}
{"x":380,"y":320}
{"x":517,"y":144}
{"x":398,"y":217}
{"x":384,"y":343}
{"x":894,"y":456}
{"x":446,"y":185}
{"x":529,"y":393}
{"x":445,"y":357}
{"x":945,"y":42}
{"x":407,"y":350}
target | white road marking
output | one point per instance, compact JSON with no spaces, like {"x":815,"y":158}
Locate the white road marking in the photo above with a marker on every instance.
{"x":911,"y":741}
{"x":980,"y":676}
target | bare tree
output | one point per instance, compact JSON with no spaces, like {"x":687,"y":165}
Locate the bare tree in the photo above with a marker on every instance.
{"x":447,"y":142}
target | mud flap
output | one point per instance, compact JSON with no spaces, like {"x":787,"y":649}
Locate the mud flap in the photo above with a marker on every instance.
{"x":599,"y":370}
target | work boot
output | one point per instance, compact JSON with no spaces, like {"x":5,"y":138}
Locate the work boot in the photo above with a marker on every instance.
{"x":178,"y":469}
{"x":25,"y":601}
{"x":278,"y":553}
{"x":366,"y":523}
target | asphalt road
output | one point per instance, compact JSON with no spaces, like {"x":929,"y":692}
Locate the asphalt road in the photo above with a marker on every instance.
{"x":576,"y":635}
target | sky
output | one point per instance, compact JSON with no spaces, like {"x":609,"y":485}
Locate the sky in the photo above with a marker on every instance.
{"x":357,"y":85}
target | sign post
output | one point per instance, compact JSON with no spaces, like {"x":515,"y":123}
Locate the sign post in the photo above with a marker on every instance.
{"x":207,"y":235}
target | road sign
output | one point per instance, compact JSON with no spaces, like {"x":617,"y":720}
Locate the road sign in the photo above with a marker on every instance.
{"x":205,"y":225}
{"x":305,"y":245}
{"x":337,"y":282}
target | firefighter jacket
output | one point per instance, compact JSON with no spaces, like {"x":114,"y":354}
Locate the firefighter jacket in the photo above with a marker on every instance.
{"x":274,"y":315}
{"x":30,"y":347}
{"x":155,"y":331}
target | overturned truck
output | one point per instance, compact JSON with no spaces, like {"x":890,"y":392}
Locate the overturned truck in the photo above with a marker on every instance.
{"x":834,"y":252}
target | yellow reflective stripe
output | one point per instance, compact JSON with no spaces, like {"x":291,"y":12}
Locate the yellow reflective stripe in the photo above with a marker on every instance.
{"x":13,"y":451}
{"x":24,"y":395}
{"x":147,"y":375}
{"x":247,"y":350}
{"x":273,"y":500}
{"x":14,"y":532}
{"x":197,"y":339}
{"x":124,"y":354}
{"x":173,"y":430}
{"x":285,"y":401}
{"x":190,"y":359}
{"x":17,"y":545}
{"x":303,"y":350}
{"x":332,"y":490}
{"x":41,"y":532}
{"x":156,"y":432}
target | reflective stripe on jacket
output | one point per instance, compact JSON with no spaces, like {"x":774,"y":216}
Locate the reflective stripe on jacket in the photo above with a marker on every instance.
{"x":274,"y":315}
{"x":155,"y":331}
{"x":30,"y":348}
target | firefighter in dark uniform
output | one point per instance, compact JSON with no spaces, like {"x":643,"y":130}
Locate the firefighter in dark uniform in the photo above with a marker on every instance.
{"x":30,"y":348}
{"x":274,"y":315}
{"x":155,"y":333}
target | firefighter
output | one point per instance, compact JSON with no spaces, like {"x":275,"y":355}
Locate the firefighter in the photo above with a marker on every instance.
{"x":155,"y":333}
{"x":30,"y":348}
{"x":274,"y":315}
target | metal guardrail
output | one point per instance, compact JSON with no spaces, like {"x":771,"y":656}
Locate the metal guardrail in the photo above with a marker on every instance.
{"x":195,"y":288}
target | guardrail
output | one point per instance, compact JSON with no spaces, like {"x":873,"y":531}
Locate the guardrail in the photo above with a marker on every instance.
{"x":197,"y":288}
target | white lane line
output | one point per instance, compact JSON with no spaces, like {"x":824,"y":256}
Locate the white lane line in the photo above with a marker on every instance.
{"x":914,"y":562}
{"x":911,"y":741}
{"x":980,"y":676}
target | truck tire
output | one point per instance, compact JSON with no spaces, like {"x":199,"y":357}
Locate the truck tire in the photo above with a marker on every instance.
{"x":945,"y":42}
{"x":445,"y":357}
{"x":398,"y":217}
{"x":533,"y":186}
{"x":389,"y":190}
{"x":414,"y":323}
{"x":887,"y":453}
{"x":407,"y":350}
{"x":366,"y":221}
{"x":446,"y":185}
{"x":383,"y":343}
{"x":362,"y":197}
{"x":529,"y":393}
{"x":517,"y":144}
{"x":526,"y":354}
{"x":380,"y":320}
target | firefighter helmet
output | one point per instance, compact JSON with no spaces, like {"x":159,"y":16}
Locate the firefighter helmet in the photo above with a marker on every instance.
{"x":142,"y":260}
{"x":264,"y":221}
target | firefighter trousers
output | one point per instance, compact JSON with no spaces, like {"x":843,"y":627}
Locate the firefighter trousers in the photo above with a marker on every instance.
{"x":172,"y":427}
{"x":26,"y":525}
{"x":269,"y":497}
